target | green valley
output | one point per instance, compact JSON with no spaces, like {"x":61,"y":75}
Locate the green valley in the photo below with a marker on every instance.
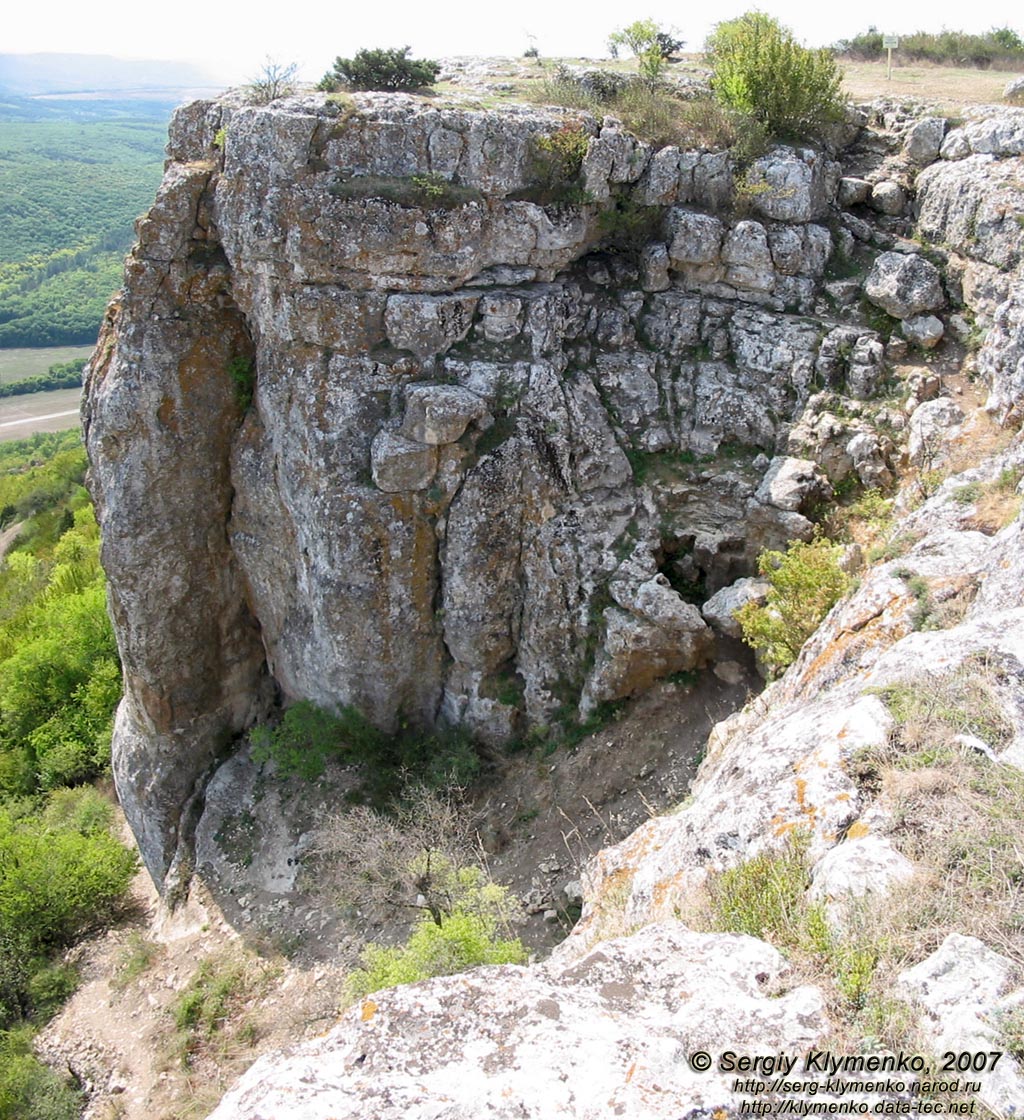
{"x":69,"y":192}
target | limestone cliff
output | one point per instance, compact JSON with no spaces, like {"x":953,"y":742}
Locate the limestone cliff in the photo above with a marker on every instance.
{"x":609,"y":1025}
{"x":445,"y":501}
{"x":377,"y":421}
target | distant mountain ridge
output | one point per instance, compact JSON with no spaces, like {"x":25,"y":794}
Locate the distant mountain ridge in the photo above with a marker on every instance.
{"x":65,"y":75}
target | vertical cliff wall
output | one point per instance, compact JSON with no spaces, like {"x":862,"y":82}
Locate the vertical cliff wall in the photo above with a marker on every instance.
{"x":377,"y":422}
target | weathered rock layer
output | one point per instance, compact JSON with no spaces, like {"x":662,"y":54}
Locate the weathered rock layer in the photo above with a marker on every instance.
{"x":378,"y":423}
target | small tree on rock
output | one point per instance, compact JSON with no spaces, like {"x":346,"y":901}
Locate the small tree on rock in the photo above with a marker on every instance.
{"x":275,"y":79}
{"x":649,"y":45}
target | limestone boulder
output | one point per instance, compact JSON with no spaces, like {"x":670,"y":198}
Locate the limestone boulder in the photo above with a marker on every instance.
{"x":650,"y":634}
{"x":401,"y":464}
{"x":924,"y":331}
{"x":932,"y":427}
{"x":869,"y":458}
{"x":852,"y":191}
{"x":696,"y":238}
{"x":963,"y":989}
{"x":501,"y":317}
{"x":888,"y":197}
{"x":747,"y":259}
{"x":654,"y":264}
{"x":562,"y":1039}
{"x":969,"y":206}
{"x":794,"y":485}
{"x":865,"y":866}
{"x":793,"y":184}
{"x":1001,"y":358}
{"x":924,"y":139}
{"x":720,"y":610}
{"x":428,"y":325}
{"x":904,"y":285}
{"x":437,"y":414}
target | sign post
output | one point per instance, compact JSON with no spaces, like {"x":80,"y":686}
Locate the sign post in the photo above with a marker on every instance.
{"x":891,"y":43}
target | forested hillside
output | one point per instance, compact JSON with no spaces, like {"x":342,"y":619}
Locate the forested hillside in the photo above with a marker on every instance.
{"x":69,"y":192}
{"x":62,"y":871}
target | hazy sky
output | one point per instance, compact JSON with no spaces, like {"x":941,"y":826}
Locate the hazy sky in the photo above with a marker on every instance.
{"x":233,"y":39}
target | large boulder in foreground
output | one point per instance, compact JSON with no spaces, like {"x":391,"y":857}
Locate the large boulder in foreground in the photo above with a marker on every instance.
{"x":607,"y":1035}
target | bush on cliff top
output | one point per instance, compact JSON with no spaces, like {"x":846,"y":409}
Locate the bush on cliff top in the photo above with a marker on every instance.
{"x":380,"y":69}
{"x":761,"y":71}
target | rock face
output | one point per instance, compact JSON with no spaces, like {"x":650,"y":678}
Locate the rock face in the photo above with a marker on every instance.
{"x":904,"y":285}
{"x":361,"y":445}
{"x":376,"y":423}
{"x":357,"y":444}
{"x":489,"y":1043}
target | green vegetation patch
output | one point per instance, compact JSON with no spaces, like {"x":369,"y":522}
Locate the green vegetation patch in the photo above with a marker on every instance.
{"x":306,"y":737}
{"x":762,"y":72}
{"x":766,"y":897}
{"x":28,"y":1089}
{"x":69,"y":193}
{"x":473,"y":933}
{"x":423,"y":191}
{"x":382,"y":69}
{"x":1001,"y":46}
{"x":805,"y":582}
{"x":61,"y":375}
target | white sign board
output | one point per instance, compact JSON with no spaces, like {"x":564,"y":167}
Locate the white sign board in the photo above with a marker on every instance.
{"x":891,"y":42}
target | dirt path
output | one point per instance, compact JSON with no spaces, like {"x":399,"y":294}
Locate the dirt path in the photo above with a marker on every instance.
{"x":9,"y":536}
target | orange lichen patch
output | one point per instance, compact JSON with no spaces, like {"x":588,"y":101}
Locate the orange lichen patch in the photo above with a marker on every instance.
{"x":165,"y":414}
{"x":801,"y":794}
{"x":630,"y":1072}
{"x":783,"y":828}
{"x":857,"y":831}
{"x":665,"y":888}
{"x":369,"y":1009}
{"x":842,"y":797}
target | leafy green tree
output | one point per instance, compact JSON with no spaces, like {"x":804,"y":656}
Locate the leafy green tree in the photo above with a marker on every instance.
{"x":381,"y":69}
{"x":28,"y":1090}
{"x":763,"y":72}
{"x":645,"y":40}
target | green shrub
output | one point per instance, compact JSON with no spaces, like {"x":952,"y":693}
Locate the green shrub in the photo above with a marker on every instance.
{"x":1001,"y":45}
{"x":61,"y":874}
{"x":381,"y":69}
{"x":764,"y":895}
{"x":304,"y":740}
{"x":307,"y":736}
{"x":242,"y":371}
{"x":556,"y":160}
{"x":28,"y":1089}
{"x":762,"y":72}
{"x":627,"y":226}
{"x":805,"y":582}
{"x":470,"y":935}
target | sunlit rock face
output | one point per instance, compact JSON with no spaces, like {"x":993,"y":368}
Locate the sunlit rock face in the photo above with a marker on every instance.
{"x":376,"y":422}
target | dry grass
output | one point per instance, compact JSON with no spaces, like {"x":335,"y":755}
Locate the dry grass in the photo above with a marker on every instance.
{"x":957,"y":812}
{"x":951,"y":87}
